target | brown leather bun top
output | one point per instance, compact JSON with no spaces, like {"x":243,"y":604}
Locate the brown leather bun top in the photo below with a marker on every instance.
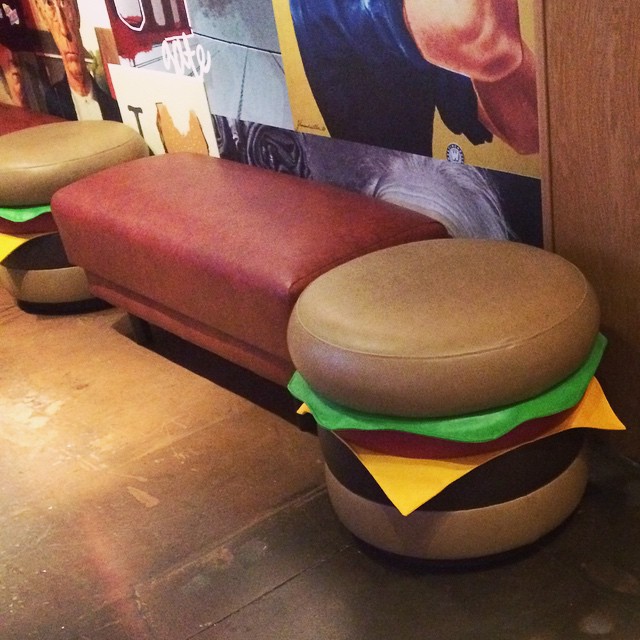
{"x":443,"y":327}
{"x":36,"y":162}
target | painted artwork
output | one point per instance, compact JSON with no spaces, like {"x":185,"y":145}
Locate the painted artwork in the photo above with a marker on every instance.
{"x":171,"y":113}
{"x":140,"y":27}
{"x":61,"y":61}
{"x":246,"y":78}
{"x":469,"y":201}
{"x":11,"y":82}
{"x":356,"y":94}
{"x":12,"y":24}
{"x":406,"y":75}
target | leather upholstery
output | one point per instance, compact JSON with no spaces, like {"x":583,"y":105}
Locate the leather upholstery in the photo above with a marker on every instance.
{"x":453,"y":535}
{"x":443,"y":328}
{"x":12,"y":119}
{"x":37,"y":161}
{"x":217,"y":251}
{"x":507,"y":477}
{"x":40,"y":224}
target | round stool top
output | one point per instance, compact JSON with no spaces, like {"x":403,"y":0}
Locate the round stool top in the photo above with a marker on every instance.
{"x":36,"y":162}
{"x":443,"y":327}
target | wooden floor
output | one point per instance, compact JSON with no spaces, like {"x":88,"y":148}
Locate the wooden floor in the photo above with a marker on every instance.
{"x":156,"y":494}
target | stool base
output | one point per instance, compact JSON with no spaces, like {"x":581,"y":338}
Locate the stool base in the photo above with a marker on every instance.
{"x":465,"y":534}
{"x":38,"y":275}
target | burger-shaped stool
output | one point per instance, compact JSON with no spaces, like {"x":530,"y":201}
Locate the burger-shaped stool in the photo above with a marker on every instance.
{"x":446,"y":333}
{"x":34,"y":163}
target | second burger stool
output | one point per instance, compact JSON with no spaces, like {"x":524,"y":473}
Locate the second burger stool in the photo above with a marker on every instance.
{"x":448,"y":328}
{"x":34,"y":163}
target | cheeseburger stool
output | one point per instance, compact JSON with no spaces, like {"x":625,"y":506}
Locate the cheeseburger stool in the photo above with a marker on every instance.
{"x":34,"y":163}
{"x":440,"y":330}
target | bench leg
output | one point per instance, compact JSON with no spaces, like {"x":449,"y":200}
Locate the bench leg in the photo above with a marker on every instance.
{"x":141,"y":330}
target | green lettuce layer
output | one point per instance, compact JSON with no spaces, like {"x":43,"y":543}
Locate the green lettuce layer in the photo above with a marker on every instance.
{"x":23,"y":214}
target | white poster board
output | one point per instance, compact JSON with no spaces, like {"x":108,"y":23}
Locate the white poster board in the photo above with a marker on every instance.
{"x":170,"y":111}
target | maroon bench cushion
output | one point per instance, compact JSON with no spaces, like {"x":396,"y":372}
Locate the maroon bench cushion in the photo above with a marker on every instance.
{"x":218,"y":251}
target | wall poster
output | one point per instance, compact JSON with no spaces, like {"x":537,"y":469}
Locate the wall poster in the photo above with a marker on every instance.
{"x":385,"y":97}
{"x":400,"y":75}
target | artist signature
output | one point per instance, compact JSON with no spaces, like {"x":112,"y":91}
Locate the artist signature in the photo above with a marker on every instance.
{"x":309,"y":127}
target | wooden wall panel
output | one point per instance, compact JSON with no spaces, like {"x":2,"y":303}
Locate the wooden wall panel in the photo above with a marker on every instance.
{"x":592,"y":186}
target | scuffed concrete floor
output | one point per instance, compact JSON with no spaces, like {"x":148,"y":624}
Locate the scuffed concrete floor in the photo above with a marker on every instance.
{"x":141,"y":500}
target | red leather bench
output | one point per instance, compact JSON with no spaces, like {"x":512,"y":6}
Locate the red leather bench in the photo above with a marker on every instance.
{"x":218,"y":252}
